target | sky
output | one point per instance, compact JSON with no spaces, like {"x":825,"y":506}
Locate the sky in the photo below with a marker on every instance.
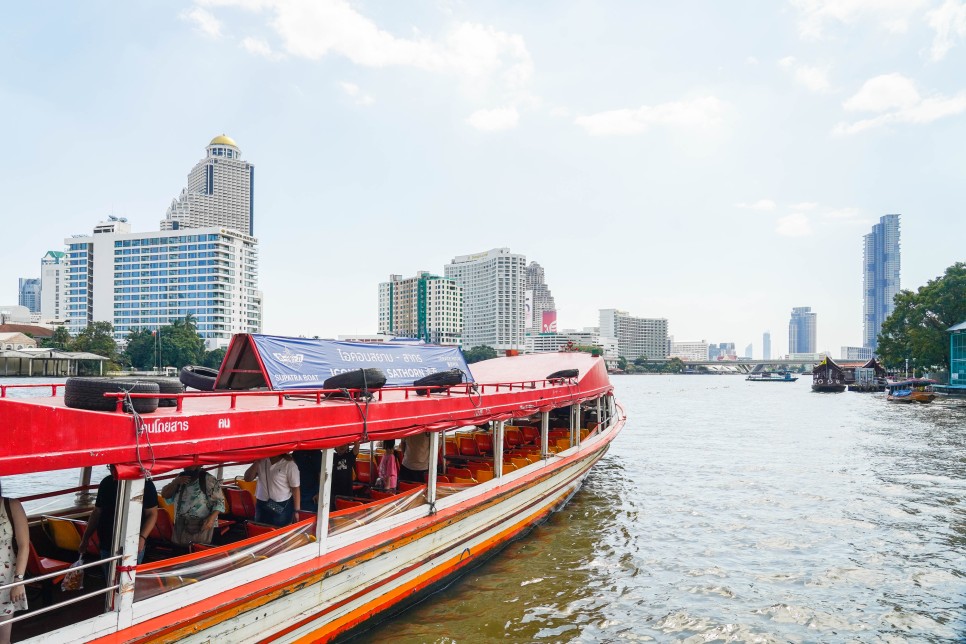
{"x":712,"y":163}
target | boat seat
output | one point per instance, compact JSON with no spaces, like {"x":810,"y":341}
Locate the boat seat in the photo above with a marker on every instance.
{"x":406,"y":486}
{"x":484,"y":442}
{"x":519,"y":461}
{"x":508,"y":466}
{"x":450,"y":450}
{"x":563,"y":443}
{"x":442,"y":478}
{"x":512,"y":437}
{"x":484,"y":475}
{"x":302,"y":515}
{"x":365,"y":471}
{"x":37,"y":566}
{"x":246,"y":485}
{"x":467,"y":445}
{"x":63,"y":532}
{"x":242,"y":503}
{"x":460,"y":480}
{"x":163,"y":528}
{"x":167,"y":507}
{"x":459,"y":471}
{"x":345,"y":504}
{"x":253,"y":529}
{"x":531,"y":434}
{"x":378,"y":495}
{"x":475,"y":467}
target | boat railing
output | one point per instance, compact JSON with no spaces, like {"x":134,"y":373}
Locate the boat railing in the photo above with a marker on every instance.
{"x":68,"y":602}
{"x":53,"y":387}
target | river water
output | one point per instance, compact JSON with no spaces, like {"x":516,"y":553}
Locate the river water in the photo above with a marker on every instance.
{"x":734,"y":511}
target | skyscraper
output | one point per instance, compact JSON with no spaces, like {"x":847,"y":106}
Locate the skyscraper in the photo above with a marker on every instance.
{"x":636,"y":337}
{"x":766,"y":345}
{"x":220,"y":192}
{"x":29,"y":293}
{"x":801,"y":330}
{"x":53,"y":285}
{"x":428,"y":307}
{"x":540,"y":297}
{"x":880,"y":262}
{"x":493,"y":297}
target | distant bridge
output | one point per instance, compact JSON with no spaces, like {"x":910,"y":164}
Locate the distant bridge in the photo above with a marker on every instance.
{"x":748,"y":366}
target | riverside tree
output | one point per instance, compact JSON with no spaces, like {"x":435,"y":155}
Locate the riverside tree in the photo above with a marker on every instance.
{"x":482,"y":352}
{"x":174,"y":345}
{"x":916,"y":330}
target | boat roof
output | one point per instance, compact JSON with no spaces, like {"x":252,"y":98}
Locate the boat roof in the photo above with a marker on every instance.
{"x":42,"y":433}
{"x":911,"y":382}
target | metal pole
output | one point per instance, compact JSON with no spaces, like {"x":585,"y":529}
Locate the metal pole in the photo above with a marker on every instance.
{"x":498,"y":449}
{"x":544,"y":434}
{"x":433,"y":467}
{"x":325,"y":498}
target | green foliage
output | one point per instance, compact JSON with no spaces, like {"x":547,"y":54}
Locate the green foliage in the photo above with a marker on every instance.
{"x":622,"y":363}
{"x":643,"y":365}
{"x":174,"y":345}
{"x":213,"y":359}
{"x":482,"y":352}
{"x":916,"y":330}
{"x":141,"y":349}
{"x":60,"y":340}
{"x":97,"y":338}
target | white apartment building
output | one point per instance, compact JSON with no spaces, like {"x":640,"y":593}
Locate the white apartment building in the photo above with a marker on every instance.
{"x":150,"y":279}
{"x":690,"y":351}
{"x":220,"y":192}
{"x":493,"y":297}
{"x":856,"y":353}
{"x":636,"y":337}
{"x":53,"y":286}
{"x":539,"y":297}
{"x":589,"y":337}
{"x":427,"y":307}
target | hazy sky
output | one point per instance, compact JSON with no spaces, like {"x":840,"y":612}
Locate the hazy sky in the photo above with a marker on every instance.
{"x":714,"y":163}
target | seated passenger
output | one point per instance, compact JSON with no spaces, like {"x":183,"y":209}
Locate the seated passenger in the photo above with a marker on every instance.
{"x":309,"y":462}
{"x":278,"y":493}
{"x":13,"y":532}
{"x":388,"y":467}
{"x":343,"y":465}
{"x":198,"y":500}
{"x":103,"y":517}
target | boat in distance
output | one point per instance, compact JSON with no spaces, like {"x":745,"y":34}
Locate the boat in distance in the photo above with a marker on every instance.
{"x":768,"y":376}
{"x":913,"y":390}
{"x":507,"y":448}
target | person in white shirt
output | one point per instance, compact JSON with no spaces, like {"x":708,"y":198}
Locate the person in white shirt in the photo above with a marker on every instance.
{"x":415,"y":461}
{"x":277,"y":495}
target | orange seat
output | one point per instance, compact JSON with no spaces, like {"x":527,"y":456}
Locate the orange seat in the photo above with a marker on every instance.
{"x":484,"y":475}
{"x":242,"y":503}
{"x":508,"y":466}
{"x":163,"y":527}
{"x":519,"y":461}
{"x":563,"y":443}
{"x":405,"y":486}
{"x":165,"y":506}
{"x":476,"y":467}
{"x":441,"y":478}
{"x":484,"y":442}
{"x":94,"y":545}
{"x":459,"y":480}
{"x":246,"y":485}
{"x":459,"y":471}
{"x":467,"y":445}
{"x":450,"y":450}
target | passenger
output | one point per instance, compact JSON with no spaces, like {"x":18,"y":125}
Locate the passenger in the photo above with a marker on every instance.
{"x":198,"y":500}
{"x":309,"y":462}
{"x":415,"y":462}
{"x":388,"y":467}
{"x":278,"y":494}
{"x":13,"y":531}
{"x":343,"y":465}
{"x":103,"y":517}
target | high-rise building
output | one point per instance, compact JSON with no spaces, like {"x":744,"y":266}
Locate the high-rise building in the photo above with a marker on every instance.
{"x":539,"y":297}
{"x":722,"y":351}
{"x":749,"y":351}
{"x":880,"y":262}
{"x":220,"y":192}
{"x":150,"y":279}
{"x":690,"y":351}
{"x":428,"y":307}
{"x":53,"y":285}
{"x":855,"y":353}
{"x":636,"y":337}
{"x":29,"y":293}
{"x":802,"y":330}
{"x":493,"y":297}
{"x":766,"y":345}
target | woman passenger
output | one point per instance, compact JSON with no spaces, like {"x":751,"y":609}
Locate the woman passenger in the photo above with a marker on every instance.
{"x":13,"y":530}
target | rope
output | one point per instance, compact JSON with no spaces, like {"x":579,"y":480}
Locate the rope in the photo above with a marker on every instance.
{"x":139,"y":430}
{"x":366,"y":395}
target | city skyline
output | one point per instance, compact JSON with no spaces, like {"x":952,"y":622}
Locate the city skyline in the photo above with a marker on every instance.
{"x":502,"y":133}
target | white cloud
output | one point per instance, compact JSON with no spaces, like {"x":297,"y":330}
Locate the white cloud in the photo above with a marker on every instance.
{"x":891,"y":15}
{"x":898,"y":101}
{"x":843,"y":213}
{"x":794,"y":225}
{"x":949,"y":23}
{"x":203,"y":20}
{"x":503,"y":118}
{"x":813,"y":78}
{"x":805,"y":205}
{"x":259,"y":47}
{"x":560,"y":112}
{"x":352,"y":90}
{"x":751,"y":60}
{"x":703,"y":112}
{"x":761,"y":204}
{"x":314,"y":29}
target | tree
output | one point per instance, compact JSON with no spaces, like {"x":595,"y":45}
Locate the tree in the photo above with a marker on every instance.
{"x":622,"y":363}
{"x":916,"y":330}
{"x":214,"y":358}
{"x":180,"y":343}
{"x":482,"y":352}
{"x":97,"y":338}
{"x":141,"y":349}
{"x":60,"y":340}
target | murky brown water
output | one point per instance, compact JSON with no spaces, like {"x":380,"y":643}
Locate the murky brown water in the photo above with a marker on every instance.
{"x":735,"y":511}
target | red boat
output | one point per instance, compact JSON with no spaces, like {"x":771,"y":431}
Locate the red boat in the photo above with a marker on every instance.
{"x":512,"y":447}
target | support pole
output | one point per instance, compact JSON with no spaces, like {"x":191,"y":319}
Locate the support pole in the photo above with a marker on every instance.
{"x":433,"y":467}
{"x":498,"y":449}
{"x":325,"y":498}
{"x":599,"y":414}
{"x":575,"y":425}
{"x":130,"y":501}
{"x":544,"y":434}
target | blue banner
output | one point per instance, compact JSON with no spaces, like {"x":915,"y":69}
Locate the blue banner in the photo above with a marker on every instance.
{"x":305,"y":363}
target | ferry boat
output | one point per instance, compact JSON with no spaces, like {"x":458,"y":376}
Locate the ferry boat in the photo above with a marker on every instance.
{"x":513,"y":444}
{"x":768,"y":376}
{"x":914,"y":390}
{"x":828,"y":377}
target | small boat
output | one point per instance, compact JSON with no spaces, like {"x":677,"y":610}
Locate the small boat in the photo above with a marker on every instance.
{"x":914,"y":390}
{"x":505,"y":447}
{"x":767,"y":376}
{"x":828,"y":377}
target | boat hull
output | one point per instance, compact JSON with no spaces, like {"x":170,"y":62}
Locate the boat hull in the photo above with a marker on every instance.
{"x":351,"y":587}
{"x":828,"y":388}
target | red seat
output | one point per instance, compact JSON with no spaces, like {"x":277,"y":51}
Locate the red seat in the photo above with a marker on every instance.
{"x":37,"y":565}
{"x":450,"y":450}
{"x":94,"y":544}
{"x":253,"y":529}
{"x":163,"y":528}
{"x":476,"y":467}
{"x":530,"y":434}
{"x":345,"y":504}
{"x":379,"y":494}
{"x":484,"y":442}
{"x":242,"y":503}
{"x":512,"y":438}
{"x":405,"y":486}
{"x":365,"y":472}
{"x":302,"y":515}
{"x":467,"y":445}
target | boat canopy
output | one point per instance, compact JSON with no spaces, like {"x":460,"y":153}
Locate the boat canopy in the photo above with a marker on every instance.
{"x":282,"y":364}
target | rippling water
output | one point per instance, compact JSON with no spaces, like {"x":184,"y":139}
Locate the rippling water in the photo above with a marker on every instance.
{"x":737,"y":511}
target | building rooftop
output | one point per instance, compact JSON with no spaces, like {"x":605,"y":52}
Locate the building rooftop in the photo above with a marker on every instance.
{"x":222,"y":139}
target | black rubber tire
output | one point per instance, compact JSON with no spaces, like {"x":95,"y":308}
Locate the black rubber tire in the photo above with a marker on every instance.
{"x":200,"y":378}
{"x":563,"y":374}
{"x":88,"y":393}
{"x":441,"y":379}
{"x":165,"y":386}
{"x":358,"y":379}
